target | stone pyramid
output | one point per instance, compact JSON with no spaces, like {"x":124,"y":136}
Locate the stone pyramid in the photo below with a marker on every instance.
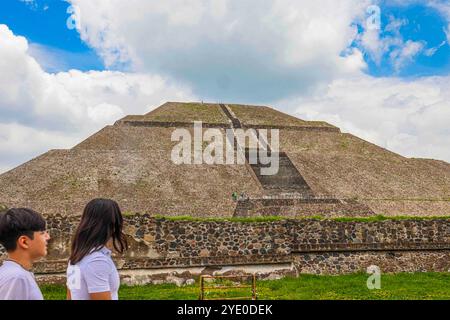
{"x":323,"y":172}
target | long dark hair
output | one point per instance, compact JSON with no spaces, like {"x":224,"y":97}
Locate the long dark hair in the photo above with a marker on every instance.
{"x":101,"y":221}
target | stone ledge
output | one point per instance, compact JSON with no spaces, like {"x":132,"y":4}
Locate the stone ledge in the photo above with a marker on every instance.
{"x":296,"y":128}
{"x":147,"y":123}
{"x":59,"y":266}
{"x":356,"y":247}
{"x":205,"y":261}
{"x":177,"y":124}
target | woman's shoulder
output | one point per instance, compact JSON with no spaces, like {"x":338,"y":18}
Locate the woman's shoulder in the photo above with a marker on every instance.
{"x":96,"y":256}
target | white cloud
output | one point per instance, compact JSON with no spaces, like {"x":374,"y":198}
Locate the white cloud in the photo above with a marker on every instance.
{"x":40,"y":110}
{"x":104,"y":113}
{"x":408,"y":117}
{"x":431,"y":51}
{"x":28,"y":1}
{"x":401,"y":56}
{"x":219,"y":46}
{"x":400,"y":52}
{"x":443,"y":6}
{"x":31,"y":3}
{"x":23,"y":140}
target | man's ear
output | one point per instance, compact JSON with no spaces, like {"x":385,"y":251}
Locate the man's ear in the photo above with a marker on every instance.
{"x":23,"y":242}
{"x":3,"y":208}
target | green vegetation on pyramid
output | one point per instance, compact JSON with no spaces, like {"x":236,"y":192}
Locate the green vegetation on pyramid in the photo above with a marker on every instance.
{"x":183,"y":112}
{"x":265,"y":116}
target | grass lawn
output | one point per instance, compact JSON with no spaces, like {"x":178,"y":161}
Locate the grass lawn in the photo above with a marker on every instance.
{"x":393,"y":286}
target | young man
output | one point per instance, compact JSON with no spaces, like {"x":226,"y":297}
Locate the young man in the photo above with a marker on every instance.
{"x":23,"y":234}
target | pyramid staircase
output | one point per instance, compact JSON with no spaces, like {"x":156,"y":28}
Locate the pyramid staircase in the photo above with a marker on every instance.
{"x":286,"y":192}
{"x":287,"y":180}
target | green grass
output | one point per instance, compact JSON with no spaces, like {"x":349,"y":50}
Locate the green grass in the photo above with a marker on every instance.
{"x":401,"y":286}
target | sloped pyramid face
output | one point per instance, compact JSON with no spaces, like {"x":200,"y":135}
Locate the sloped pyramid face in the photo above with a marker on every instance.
{"x":322,"y":171}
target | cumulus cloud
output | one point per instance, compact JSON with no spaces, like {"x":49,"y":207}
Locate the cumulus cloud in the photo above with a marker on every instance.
{"x":217,"y":47}
{"x":21,"y":142}
{"x":408,"y":117}
{"x":40,"y":110}
{"x":388,"y":40}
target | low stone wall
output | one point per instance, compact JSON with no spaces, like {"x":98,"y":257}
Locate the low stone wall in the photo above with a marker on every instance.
{"x":393,"y":232}
{"x":387,"y":261}
{"x":159,"y":247}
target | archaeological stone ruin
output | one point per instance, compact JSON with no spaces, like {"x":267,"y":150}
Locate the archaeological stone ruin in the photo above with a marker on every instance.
{"x":315,"y":215}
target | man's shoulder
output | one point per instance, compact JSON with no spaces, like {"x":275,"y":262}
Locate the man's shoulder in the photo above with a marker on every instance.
{"x":13,"y":271}
{"x":10,"y":277}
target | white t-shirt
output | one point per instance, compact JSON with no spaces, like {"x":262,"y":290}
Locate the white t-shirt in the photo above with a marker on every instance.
{"x":16,"y":283}
{"x":95,"y":273}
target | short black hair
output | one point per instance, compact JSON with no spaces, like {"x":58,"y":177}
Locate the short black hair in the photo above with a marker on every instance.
{"x":18,"y":222}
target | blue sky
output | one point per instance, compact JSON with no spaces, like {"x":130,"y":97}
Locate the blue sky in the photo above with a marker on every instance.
{"x":317,"y":60}
{"x":421,"y":23}
{"x":43,"y":23}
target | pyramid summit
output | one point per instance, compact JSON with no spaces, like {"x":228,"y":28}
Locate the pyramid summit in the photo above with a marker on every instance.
{"x":322,"y":171}
{"x":217,"y":115}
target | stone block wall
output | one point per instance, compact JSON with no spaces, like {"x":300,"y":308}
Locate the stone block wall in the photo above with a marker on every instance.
{"x":160,"y":246}
{"x":301,"y":208}
{"x":406,"y":233}
{"x":358,"y":261}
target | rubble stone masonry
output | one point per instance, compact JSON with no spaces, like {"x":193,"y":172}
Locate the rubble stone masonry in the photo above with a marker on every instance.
{"x":158,"y":245}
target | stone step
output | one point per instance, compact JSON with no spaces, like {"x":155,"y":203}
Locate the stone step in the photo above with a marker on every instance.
{"x":287,"y":179}
{"x":283,"y":171}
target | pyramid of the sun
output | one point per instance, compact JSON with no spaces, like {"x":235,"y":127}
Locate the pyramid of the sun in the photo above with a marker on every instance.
{"x":322,"y":171}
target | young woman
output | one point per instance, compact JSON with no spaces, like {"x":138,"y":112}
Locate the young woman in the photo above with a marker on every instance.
{"x":91,"y":274}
